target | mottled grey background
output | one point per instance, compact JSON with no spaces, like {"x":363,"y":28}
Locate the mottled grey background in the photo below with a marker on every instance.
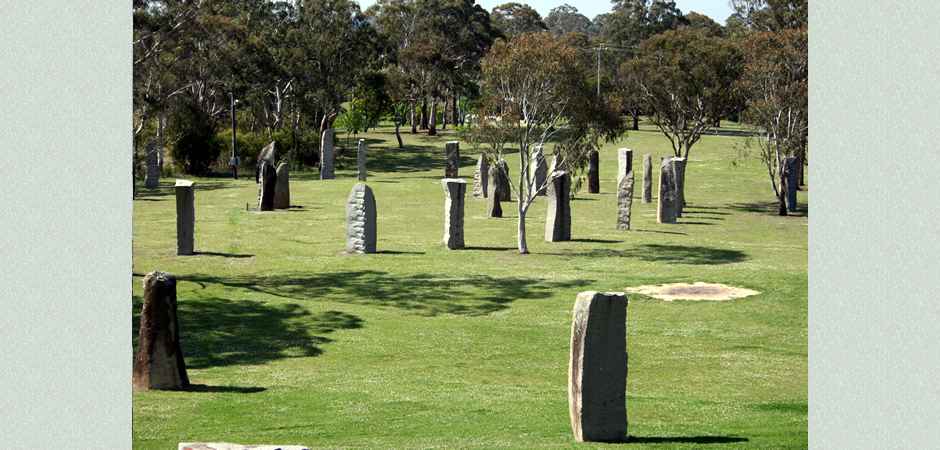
{"x":65,"y":224}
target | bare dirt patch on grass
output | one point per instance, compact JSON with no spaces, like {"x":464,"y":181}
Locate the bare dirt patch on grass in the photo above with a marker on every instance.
{"x":698,"y":291}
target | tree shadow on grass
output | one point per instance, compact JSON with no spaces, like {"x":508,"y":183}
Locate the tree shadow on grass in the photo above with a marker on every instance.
{"x":770,"y":208}
{"x":167,"y":189}
{"x":224,"y":255}
{"x":684,"y":439}
{"x":220,"y":332}
{"x":224,"y":389}
{"x":673,"y":254}
{"x":421,"y":294}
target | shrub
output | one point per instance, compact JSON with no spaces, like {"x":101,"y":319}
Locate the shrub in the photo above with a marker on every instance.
{"x":196,"y":147}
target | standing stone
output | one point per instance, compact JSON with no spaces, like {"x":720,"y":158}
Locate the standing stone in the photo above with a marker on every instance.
{"x":360,"y":220}
{"x":361,"y":159}
{"x":679,"y":168}
{"x":455,"y":189}
{"x":185,"y":217}
{"x":624,"y":163}
{"x":152,"y":178}
{"x":452,"y":157}
{"x":666,"y":205}
{"x":493,"y":208}
{"x":268,"y":187}
{"x":267,"y":154}
{"x":594,"y":176}
{"x":159,"y":363}
{"x":481,"y":177}
{"x":505,"y":190}
{"x":647,"y":178}
{"x":624,"y":201}
{"x":282,"y":187}
{"x":792,"y":175}
{"x":539,"y":170}
{"x":597,"y":367}
{"x":326,"y":155}
{"x":558,"y":214}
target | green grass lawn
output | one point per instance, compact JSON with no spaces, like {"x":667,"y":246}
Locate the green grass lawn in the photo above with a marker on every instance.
{"x":289,"y":341}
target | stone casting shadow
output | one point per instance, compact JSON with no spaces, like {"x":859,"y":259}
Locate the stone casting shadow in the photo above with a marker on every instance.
{"x":599,"y":241}
{"x":224,"y":389}
{"x":225,"y":255}
{"x":218,"y":332}
{"x":421,"y":294}
{"x":489,"y":249}
{"x":770,"y":208}
{"x":166,"y":189}
{"x":676,"y":254}
{"x":684,"y":439}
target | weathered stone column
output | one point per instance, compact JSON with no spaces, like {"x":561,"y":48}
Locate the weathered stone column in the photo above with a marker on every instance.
{"x":594,"y":176}
{"x":481,"y":177}
{"x":185,"y":217}
{"x":360,"y":220}
{"x":558,"y":214}
{"x":452,"y":159}
{"x":792,"y":167}
{"x":679,"y":168}
{"x":455,"y":189}
{"x":361,"y":159}
{"x":505,"y":190}
{"x":597,"y":367}
{"x":269,"y":154}
{"x":647,"y":178}
{"x":624,"y":163}
{"x":268,"y":187}
{"x":493,"y":208}
{"x":282,"y":187}
{"x":326,"y":155}
{"x":159,"y":363}
{"x":538,"y":169}
{"x":666,"y":204}
{"x":152,"y":177}
{"x":624,"y":201}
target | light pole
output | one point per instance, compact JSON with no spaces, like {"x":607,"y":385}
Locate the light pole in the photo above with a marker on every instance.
{"x":234,"y":161}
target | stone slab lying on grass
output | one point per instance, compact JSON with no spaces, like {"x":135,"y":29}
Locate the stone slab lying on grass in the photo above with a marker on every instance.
{"x":227,"y":446}
{"x":698,"y":291}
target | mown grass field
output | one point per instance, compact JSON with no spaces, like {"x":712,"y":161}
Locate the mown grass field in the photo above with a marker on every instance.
{"x":289,"y":341}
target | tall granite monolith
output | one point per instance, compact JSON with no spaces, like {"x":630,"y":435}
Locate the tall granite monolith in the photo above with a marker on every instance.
{"x":679,"y":168}
{"x":624,"y":201}
{"x":493,"y":207}
{"x":361,"y":150}
{"x":666,"y":204}
{"x":594,"y":172}
{"x":327,"y":155}
{"x":282,"y":187}
{"x":538,"y":169}
{"x":185,"y":217}
{"x":268,"y":187}
{"x":791,"y":174}
{"x":267,"y":154}
{"x":455,"y":190}
{"x":558,"y":213}
{"x":452,"y":159}
{"x":597,"y":367}
{"x":647,"y":178}
{"x":505,"y":189}
{"x":360,"y":220}
{"x":152,"y":177}
{"x":481,"y":177}
{"x":158,"y":363}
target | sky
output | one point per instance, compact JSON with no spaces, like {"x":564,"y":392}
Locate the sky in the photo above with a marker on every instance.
{"x":718,"y":10}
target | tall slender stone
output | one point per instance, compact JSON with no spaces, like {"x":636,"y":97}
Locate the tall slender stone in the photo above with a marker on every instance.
{"x":597,"y":367}
{"x":666,"y":204}
{"x":481,"y":177}
{"x":594,"y":176}
{"x":185,"y":217}
{"x":267,"y":154}
{"x":493,"y":208}
{"x":679,"y":168}
{"x":152,"y":177}
{"x":624,"y":201}
{"x":538,"y":169}
{"x":268,"y":187}
{"x":558,"y":213}
{"x":624,"y":163}
{"x":158,"y":363}
{"x":360,"y":220}
{"x":282,"y":187}
{"x":792,"y":168}
{"x":326,"y":155}
{"x":452,"y":159}
{"x":505,"y":189}
{"x":647,"y":178}
{"x":455,"y":190}
{"x":361,"y":159}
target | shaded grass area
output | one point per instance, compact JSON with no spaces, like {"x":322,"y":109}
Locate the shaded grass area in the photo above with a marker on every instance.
{"x":288,"y":340}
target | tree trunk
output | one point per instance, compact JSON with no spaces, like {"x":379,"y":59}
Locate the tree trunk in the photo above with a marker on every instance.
{"x":161,"y":126}
{"x":444,"y":114}
{"x":424,"y":115}
{"x":520,"y":232}
{"x":397,"y":132}
{"x":414,"y":125}
{"x":782,"y":195}
{"x":636,"y":121}
{"x":454,"y":110}
{"x":432,"y":126}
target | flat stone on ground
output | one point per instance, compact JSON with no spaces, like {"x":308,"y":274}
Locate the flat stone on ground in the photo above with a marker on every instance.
{"x":698,"y":291}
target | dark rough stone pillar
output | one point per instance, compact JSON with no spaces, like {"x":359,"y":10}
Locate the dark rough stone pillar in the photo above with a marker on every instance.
{"x":360,"y":220}
{"x":268,"y":187}
{"x":481,"y":178}
{"x":624,"y":163}
{"x":539,"y":170}
{"x":505,"y":190}
{"x":666,"y":204}
{"x":282,"y":187}
{"x":455,"y":190}
{"x":185,"y":217}
{"x":597,"y":368}
{"x":361,"y":150}
{"x":159,"y":362}
{"x":558,"y":214}
{"x":679,"y":168}
{"x":647,"y":178}
{"x":152,"y":177}
{"x":452,"y":159}
{"x":792,"y":175}
{"x":594,"y":176}
{"x":624,"y":201}
{"x":493,"y":208}
{"x":326,"y":155}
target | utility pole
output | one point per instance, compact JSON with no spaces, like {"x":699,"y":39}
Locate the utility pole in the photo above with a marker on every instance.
{"x":599,"y":71}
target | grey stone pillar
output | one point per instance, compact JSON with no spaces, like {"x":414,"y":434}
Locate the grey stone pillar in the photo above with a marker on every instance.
{"x":647,"y":178}
{"x":361,"y":159}
{"x":624,"y":163}
{"x":594,"y":176}
{"x":558,"y":214}
{"x":268,"y":187}
{"x":792,"y":176}
{"x":481,"y":177}
{"x":158,"y":363}
{"x":326,"y":155}
{"x":493,"y":208}
{"x":455,"y":190}
{"x":185,"y":217}
{"x":538,"y":169}
{"x":597,"y":367}
{"x":452,"y":159}
{"x":624,"y":201}
{"x":360,"y":220}
{"x":152,"y":177}
{"x":282,"y":187}
{"x":679,"y":168}
{"x":269,"y":154}
{"x":666,"y":204}
{"x":505,"y":190}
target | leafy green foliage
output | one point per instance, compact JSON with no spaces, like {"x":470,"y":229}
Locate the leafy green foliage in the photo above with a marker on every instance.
{"x":196,"y":147}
